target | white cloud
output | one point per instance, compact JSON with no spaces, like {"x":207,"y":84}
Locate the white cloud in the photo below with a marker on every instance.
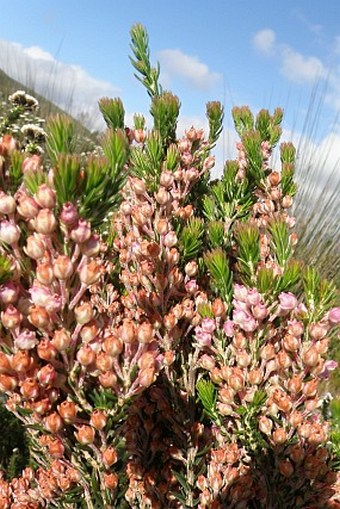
{"x":188,"y":68}
{"x":264,"y":40}
{"x":299,"y":68}
{"x":294,"y":65}
{"x":69,"y":86}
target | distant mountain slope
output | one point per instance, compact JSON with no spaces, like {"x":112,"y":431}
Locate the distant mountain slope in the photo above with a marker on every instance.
{"x":47,"y":108}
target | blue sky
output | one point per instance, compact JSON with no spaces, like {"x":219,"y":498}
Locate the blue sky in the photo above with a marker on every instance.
{"x":257,"y":52}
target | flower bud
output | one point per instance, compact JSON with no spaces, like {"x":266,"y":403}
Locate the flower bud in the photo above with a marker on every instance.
{"x":91,"y":247}
{"x":26,"y":340}
{"x":274,"y":178}
{"x":21,"y":361}
{"x":209,"y":163}
{"x":113,"y":346}
{"x":296,"y":453}
{"x":7,"y":204}
{"x":108,"y":379}
{"x":283,"y":360}
{"x":111,"y":481}
{"x":86,"y":356}
{"x":295,"y":384}
{"x":145,"y":333}
{"x":166,"y":179}
{"x":288,"y":301}
{"x":39,"y":317}
{"x":291,"y":343}
{"x":56,"y":449}
{"x":31,"y":164}
{"x":279,"y":436}
{"x":53,"y":422}
{"x":47,"y":375}
{"x":170,"y":239}
{"x":265,"y":425}
{"x":287,"y":202}
{"x":11,"y":317}
{"x":42,"y":406}
{"x":162,"y":196}
{"x":69,"y":214}
{"x":45,"y":274}
{"x":191,"y":269}
{"x":45,"y":197}
{"x":103,"y":361}
{"x":68,"y":411}
{"x":61,"y":340}
{"x":28,"y":207}
{"x":45,"y":222}
{"x":98,"y":419}
{"x":63,"y":267}
{"x":90,"y":273}
{"x":30,"y":389}
{"x":9,"y":293}
{"x":255,"y":376}
{"x":260,"y":312}
{"x":218,"y":308}
{"x":35,"y":247}
{"x":46,"y":350}
{"x":162,"y":226}
{"x":82,"y":232}
{"x":334,"y":316}
{"x":295,"y":419}
{"x":83,"y":313}
{"x":267,"y":352}
{"x":226,"y":395}
{"x":286,"y":468}
{"x":146,"y":377}
{"x":295,"y":328}
{"x":138,"y":186}
{"x":318,"y":330}
{"x":311,"y":357}
{"x":128,"y":332}
{"x":85,"y":434}
{"x":5,"y":365}
{"x":7,"y":383}
{"x":9,"y":233}
{"x":110,"y":456}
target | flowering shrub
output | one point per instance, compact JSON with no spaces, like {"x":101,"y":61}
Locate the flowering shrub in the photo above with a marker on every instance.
{"x":159,"y":341}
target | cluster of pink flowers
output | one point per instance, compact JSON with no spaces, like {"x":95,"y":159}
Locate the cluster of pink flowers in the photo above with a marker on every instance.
{"x":104,"y":346}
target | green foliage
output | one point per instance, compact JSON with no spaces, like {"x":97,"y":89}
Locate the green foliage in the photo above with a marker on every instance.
{"x":116,"y":149}
{"x":288,"y":155}
{"x":113,"y":112}
{"x":207,"y":395}
{"x":215,"y":115}
{"x":5,"y":269}
{"x":281,"y":243}
{"x":216,"y":234}
{"x":191,"y":238}
{"x":15,"y":170}
{"x":243,"y":119}
{"x":269,"y":126}
{"x":66,"y":177}
{"x":335,"y":432}
{"x":61,"y":138}
{"x":146,"y":161}
{"x":165,"y":110}
{"x":146,"y":74}
{"x":14,"y":454}
{"x":320,"y":294}
{"x":34,"y":179}
{"x":252,"y":146}
{"x":217,"y":264}
{"x":248,"y":256}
